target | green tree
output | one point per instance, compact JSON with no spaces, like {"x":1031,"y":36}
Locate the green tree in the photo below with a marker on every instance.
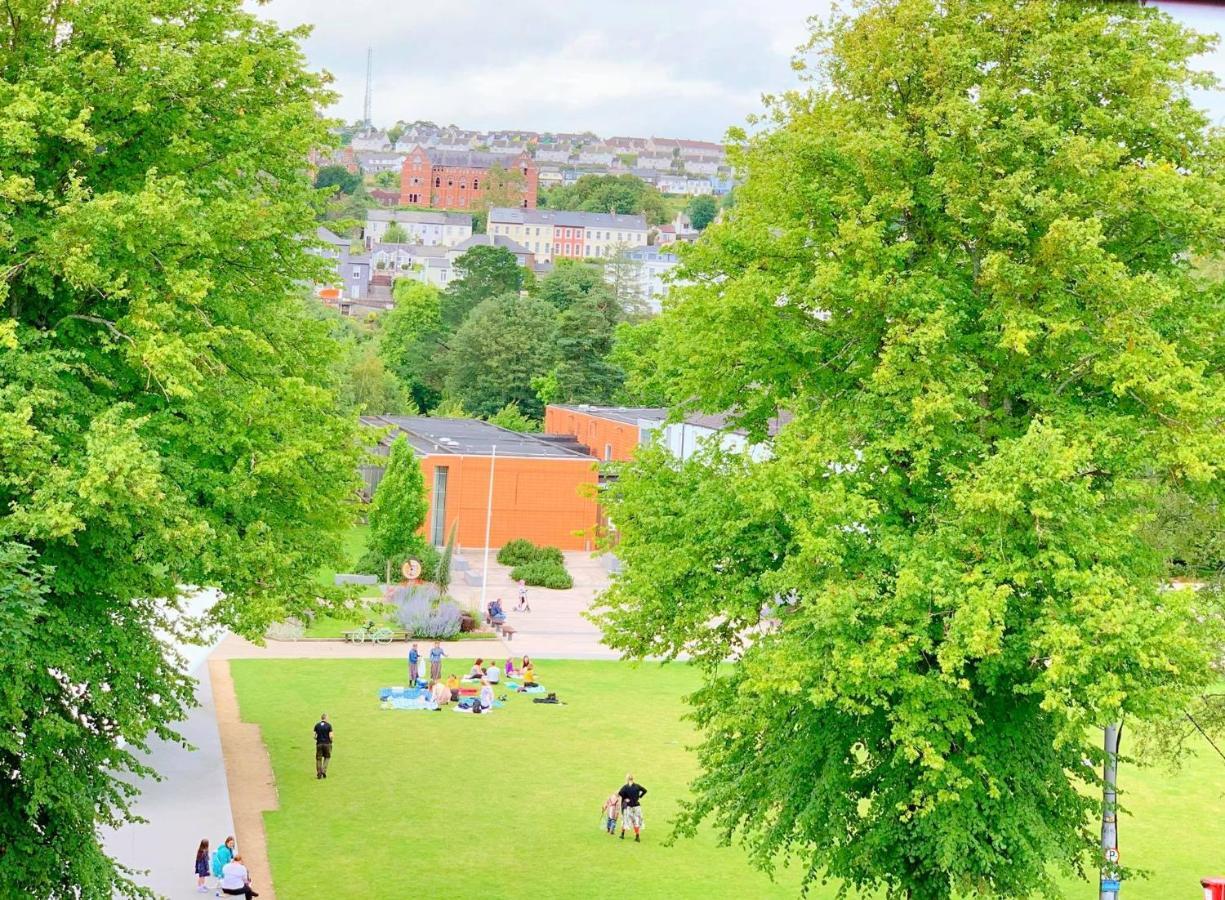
{"x":503,"y":187}
{"x":369,"y":387}
{"x":962,"y":263}
{"x":411,"y":340}
{"x":702,"y":211}
{"x":166,"y":412}
{"x":624,"y":194}
{"x":571,"y":282}
{"x":512,"y":418}
{"x":505,"y":343}
{"x":484,"y":272}
{"x":398,"y":508}
{"x":338,"y":177}
{"x":395,"y":234}
{"x":646,"y":369}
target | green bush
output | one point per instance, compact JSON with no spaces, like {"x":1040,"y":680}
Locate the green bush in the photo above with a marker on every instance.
{"x":550,"y":555}
{"x":372,"y":563}
{"x":518,"y":552}
{"x":543,"y":573}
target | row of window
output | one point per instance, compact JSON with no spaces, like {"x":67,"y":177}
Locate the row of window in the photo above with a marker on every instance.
{"x":570,"y":233}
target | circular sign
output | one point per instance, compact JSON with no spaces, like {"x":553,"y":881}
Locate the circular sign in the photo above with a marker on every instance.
{"x":1112,"y":855}
{"x":411,"y":569}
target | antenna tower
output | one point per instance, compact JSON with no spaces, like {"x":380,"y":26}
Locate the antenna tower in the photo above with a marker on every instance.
{"x":366,"y":119}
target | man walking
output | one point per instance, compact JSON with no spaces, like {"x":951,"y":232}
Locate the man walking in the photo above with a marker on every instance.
{"x":414,"y":662}
{"x":631,"y":795}
{"x":323,"y":746}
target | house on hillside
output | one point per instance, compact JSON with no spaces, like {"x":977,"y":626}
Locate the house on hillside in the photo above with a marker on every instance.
{"x":423,"y":227}
{"x":550,"y":233}
{"x":448,"y":179}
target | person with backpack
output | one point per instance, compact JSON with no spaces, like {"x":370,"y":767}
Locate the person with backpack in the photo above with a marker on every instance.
{"x":631,"y":795}
{"x":202,"y":867}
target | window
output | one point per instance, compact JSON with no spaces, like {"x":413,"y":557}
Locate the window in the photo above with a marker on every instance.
{"x":476,"y":184}
{"x":438,"y":510}
{"x":587,"y":250}
{"x":557,"y":248}
{"x":437,"y":182}
{"x":450,"y":182}
{"x":357,"y":273}
{"x":607,"y":452}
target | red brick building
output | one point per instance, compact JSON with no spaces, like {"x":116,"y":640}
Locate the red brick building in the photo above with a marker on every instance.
{"x":450,"y":179}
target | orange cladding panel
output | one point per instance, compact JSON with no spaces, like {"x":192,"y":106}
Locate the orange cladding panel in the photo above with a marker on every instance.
{"x":605,"y":438}
{"x":533,"y":498}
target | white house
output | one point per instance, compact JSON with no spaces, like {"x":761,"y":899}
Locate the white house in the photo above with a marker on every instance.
{"x":649,"y":274}
{"x":430,"y":228}
{"x":370,"y":139}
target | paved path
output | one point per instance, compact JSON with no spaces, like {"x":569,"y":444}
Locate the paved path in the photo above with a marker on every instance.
{"x":190,"y":803}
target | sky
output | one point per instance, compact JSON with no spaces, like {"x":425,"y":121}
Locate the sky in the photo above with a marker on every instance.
{"x":627,"y":67}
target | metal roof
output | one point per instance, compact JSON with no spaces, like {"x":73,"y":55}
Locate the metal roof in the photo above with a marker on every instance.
{"x":629,"y":415}
{"x":431,"y":436}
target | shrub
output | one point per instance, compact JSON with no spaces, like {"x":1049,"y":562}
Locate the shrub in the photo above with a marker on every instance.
{"x":550,"y":555}
{"x":372,"y":563}
{"x":517,"y":552}
{"x":422,"y":617}
{"x":543,"y":573}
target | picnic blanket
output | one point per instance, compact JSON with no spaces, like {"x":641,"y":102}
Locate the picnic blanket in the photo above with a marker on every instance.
{"x":405,"y":698}
{"x":512,"y":686}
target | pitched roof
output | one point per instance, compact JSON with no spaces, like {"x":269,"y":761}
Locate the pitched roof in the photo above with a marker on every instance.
{"x":418,"y":217}
{"x":491,"y":240}
{"x":466,"y":159}
{"x":513,"y":215}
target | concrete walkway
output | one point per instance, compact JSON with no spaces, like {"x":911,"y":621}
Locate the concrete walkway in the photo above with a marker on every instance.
{"x":191,"y":802}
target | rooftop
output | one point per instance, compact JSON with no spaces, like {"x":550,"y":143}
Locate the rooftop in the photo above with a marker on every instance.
{"x":722,"y":422}
{"x":465,"y":159}
{"x":629,"y":415}
{"x":419,"y":217}
{"x":494,"y":240}
{"x":431,"y":436}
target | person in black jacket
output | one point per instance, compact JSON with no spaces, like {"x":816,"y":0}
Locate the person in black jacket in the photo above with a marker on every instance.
{"x":631,"y":795}
{"x":323,"y":746}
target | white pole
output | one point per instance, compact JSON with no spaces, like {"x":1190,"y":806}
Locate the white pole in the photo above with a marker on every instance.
{"x":493,"y":458}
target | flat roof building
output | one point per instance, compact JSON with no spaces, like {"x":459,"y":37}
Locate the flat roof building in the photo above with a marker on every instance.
{"x":543,"y":487}
{"x":608,"y":432}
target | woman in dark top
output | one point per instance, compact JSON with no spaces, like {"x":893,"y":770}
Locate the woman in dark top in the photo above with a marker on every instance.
{"x":631,"y":795}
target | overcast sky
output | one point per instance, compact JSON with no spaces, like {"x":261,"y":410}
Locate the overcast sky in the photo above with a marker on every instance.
{"x":629,"y":67}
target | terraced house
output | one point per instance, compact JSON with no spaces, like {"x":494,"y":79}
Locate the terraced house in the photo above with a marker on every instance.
{"x":564,"y":234}
{"x":460,"y":179}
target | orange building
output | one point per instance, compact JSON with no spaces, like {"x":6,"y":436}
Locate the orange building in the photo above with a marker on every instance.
{"x":453,"y":179}
{"x":606,"y":432}
{"x":543,"y":487}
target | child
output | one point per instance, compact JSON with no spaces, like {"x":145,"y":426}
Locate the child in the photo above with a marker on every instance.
{"x":523,"y":605}
{"x":510,"y":667}
{"x":612,"y":810}
{"x":485,"y":698}
{"x":224,"y":854}
{"x":202,"y":867}
{"x":529,"y":675}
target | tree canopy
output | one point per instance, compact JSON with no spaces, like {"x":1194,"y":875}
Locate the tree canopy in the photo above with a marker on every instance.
{"x":484,"y":272}
{"x":623,"y":194}
{"x":506,"y":343}
{"x":166,"y":406}
{"x":338,"y":177}
{"x":398,"y":508}
{"x":961,"y":263}
{"x":702,"y":211}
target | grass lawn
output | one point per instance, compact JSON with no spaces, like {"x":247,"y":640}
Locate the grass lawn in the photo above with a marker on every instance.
{"x":415,"y":797}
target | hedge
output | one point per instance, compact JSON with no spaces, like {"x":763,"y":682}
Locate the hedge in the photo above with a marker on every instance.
{"x":521,"y":552}
{"x":543,"y":573}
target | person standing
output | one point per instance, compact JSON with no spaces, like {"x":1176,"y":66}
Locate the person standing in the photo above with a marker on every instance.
{"x":236,"y":880}
{"x":436,"y":655}
{"x":202,"y":867}
{"x":414,"y":662}
{"x":323,"y":746}
{"x":612,"y":812}
{"x":631,"y":795}
{"x":523,"y":604}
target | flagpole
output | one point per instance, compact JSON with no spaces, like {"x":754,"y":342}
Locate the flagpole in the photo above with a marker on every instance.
{"x":493,"y":458}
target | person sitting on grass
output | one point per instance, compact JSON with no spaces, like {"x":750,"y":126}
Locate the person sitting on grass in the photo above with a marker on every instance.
{"x":510,"y":667}
{"x":477,"y":672}
{"x":440,"y":693}
{"x":453,"y":686}
{"x":493,"y":674}
{"x":485,"y":697}
{"x":529,"y":677}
